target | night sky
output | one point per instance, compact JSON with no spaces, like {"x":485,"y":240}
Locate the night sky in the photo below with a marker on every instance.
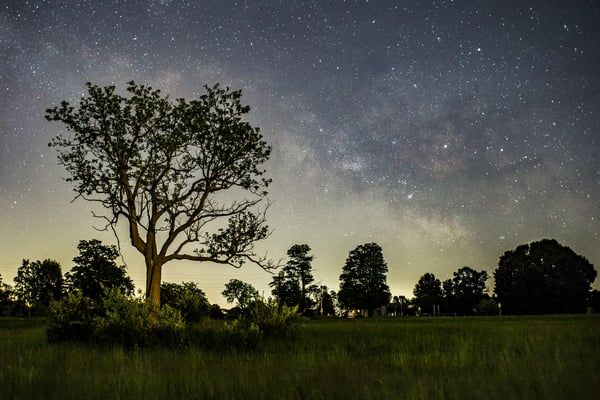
{"x":445,"y":131}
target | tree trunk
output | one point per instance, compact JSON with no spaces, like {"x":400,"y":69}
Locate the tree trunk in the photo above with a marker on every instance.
{"x":153,"y":281}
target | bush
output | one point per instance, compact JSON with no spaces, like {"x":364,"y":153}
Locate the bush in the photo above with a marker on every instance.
{"x":119,"y":320}
{"x":187,"y":298}
{"x":271,"y":318}
{"x":71,"y":318}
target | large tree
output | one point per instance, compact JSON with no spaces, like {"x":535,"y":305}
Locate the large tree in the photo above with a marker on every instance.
{"x":363,"y":279}
{"x":96,"y":270}
{"x":543,"y":277}
{"x":39,"y":282}
{"x":428,"y":292}
{"x":290,"y":286}
{"x":174,"y":171}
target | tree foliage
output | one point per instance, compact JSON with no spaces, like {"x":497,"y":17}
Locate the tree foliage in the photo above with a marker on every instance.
{"x":174,"y":171}
{"x":5,"y":291}
{"x":187,"y":298}
{"x":464,"y":292}
{"x":323,"y":300}
{"x":6,"y":298}
{"x":241,"y":292}
{"x":95,"y":269}
{"x":543,"y":277}
{"x":363,"y":279}
{"x":428,"y":292}
{"x":291,"y":285}
{"x":38,"y":283}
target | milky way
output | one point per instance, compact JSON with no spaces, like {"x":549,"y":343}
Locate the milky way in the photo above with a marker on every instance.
{"x":448,"y":131}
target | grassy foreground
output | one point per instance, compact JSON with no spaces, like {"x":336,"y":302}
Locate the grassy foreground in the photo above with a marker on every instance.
{"x":550,"y":357}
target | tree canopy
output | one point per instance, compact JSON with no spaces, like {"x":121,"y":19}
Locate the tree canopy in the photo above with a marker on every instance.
{"x":543,"y":277}
{"x":241,"y":292}
{"x":363,"y":279}
{"x":96,"y":270}
{"x":187,"y":298}
{"x":428,"y":292}
{"x":39,"y":282}
{"x":465,"y":291}
{"x":185,"y":176}
{"x":291,"y":285}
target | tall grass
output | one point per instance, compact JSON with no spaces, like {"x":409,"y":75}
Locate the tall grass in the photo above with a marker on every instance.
{"x":450,"y":358}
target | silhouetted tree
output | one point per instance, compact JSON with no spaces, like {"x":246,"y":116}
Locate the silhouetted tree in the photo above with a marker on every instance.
{"x":290,"y":286}
{"x":187,"y":298}
{"x":322,"y":299}
{"x":363,"y":279}
{"x":464,"y":292}
{"x":164,"y":168}
{"x":4,"y":290}
{"x":428,"y":292}
{"x":96,"y":270}
{"x":399,"y":305}
{"x":241,"y":292}
{"x":6,"y":298}
{"x":38,"y":283}
{"x":543,"y":277}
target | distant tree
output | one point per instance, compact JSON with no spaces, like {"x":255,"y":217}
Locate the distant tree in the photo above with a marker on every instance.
{"x":187,"y":298}
{"x":448,"y":296}
{"x":428,"y":292}
{"x":290,"y":286}
{"x":38,"y":283}
{"x":6,"y":297}
{"x":543,"y":277}
{"x":96,"y":270}
{"x":322,"y":299}
{"x":299,"y":267}
{"x":399,"y":305}
{"x":241,"y":292}
{"x":464,"y":292}
{"x":169,"y":169}
{"x":4,"y":290}
{"x":363,"y":279}
{"x":285,"y":291}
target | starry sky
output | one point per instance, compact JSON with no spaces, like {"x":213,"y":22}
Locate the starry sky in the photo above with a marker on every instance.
{"x":445,"y":131}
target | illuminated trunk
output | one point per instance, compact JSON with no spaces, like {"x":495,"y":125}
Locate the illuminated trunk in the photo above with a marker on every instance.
{"x":153,"y":280}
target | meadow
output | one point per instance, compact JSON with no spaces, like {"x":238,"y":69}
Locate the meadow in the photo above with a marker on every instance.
{"x":542,"y":357}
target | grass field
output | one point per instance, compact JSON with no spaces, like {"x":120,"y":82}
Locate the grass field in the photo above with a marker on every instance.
{"x":549,"y":357}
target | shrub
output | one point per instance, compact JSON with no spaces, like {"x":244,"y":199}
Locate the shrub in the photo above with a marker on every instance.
{"x":123,"y":320}
{"x":271,"y":318}
{"x":71,"y":318}
{"x":119,"y":320}
{"x":187,"y":298}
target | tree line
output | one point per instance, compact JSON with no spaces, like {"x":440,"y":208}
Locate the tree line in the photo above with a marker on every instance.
{"x":186,"y":179}
{"x":165,"y":168}
{"x":541,"y":277}
{"x":94,"y":275}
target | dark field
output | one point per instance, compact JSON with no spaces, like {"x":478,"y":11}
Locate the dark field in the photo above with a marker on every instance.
{"x":547,"y":357}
